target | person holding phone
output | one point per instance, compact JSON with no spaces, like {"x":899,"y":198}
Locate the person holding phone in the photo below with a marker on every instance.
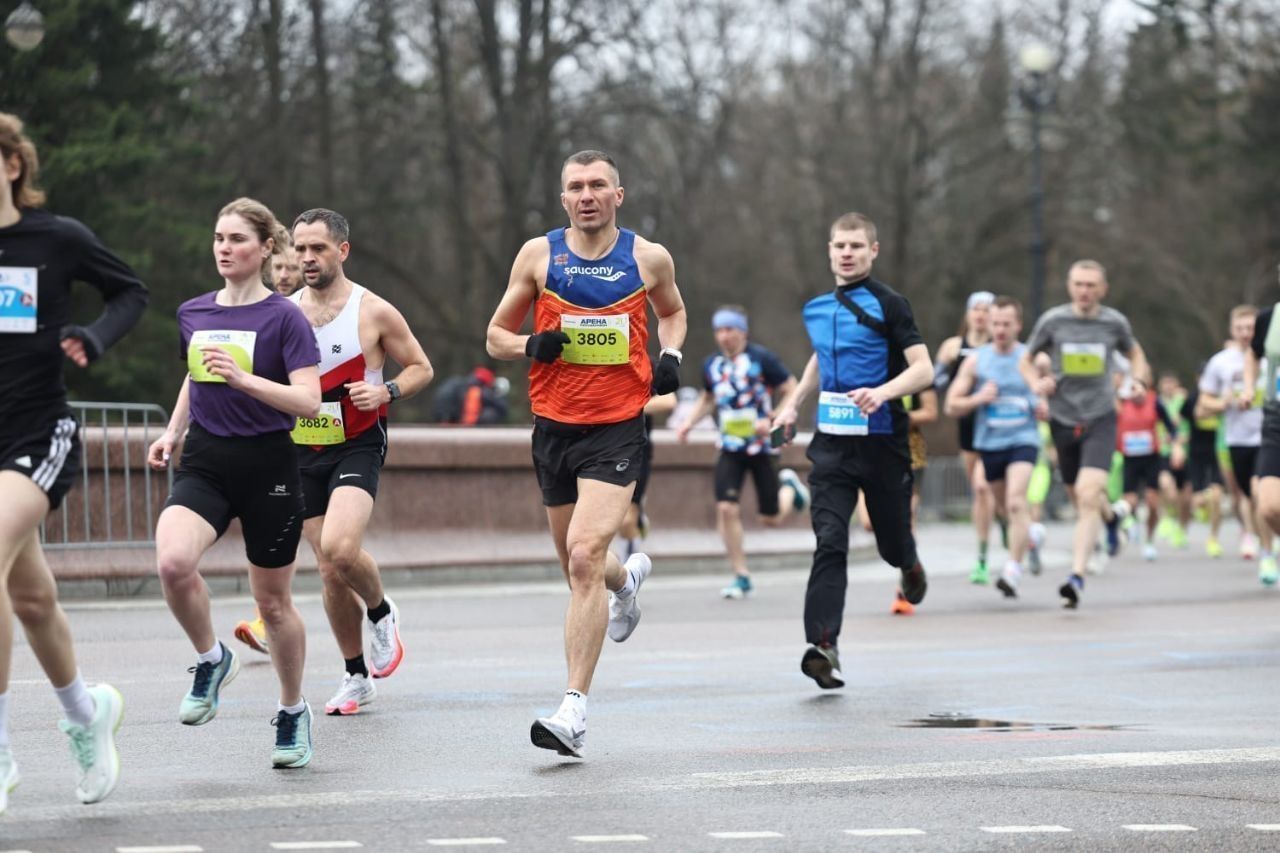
{"x":738,"y":387}
{"x":867,"y":356}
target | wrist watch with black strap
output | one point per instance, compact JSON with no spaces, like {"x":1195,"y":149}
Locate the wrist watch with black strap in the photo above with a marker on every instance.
{"x":393,"y":390}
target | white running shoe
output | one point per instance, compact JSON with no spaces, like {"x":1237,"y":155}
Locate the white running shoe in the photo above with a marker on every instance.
{"x":561,"y":732}
{"x":9,"y":777}
{"x":624,"y":615}
{"x":385,"y":649}
{"x":1149,"y":552}
{"x":1248,"y":546}
{"x":1120,"y":509}
{"x":357,"y":689}
{"x":94,"y":746}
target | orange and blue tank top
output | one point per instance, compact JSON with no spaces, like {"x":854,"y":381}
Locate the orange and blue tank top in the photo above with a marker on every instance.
{"x":604,"y":374}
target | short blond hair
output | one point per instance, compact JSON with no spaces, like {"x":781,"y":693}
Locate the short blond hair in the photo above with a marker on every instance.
{"x":853,"y":222}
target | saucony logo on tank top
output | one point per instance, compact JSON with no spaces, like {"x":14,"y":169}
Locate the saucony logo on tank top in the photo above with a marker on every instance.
{"x":604,"y":374}
{"x":342,"y":361}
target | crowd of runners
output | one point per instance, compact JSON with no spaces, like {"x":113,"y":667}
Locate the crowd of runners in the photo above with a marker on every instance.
{"x":282,"y":414}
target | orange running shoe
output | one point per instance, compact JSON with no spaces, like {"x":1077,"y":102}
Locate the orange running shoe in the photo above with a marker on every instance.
{"x":253,"y":634}
{"x":902,"y":607}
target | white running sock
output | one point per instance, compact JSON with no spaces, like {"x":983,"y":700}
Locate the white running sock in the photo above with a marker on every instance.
{"x":292,"y":709}
{"x":628,"y":585}
{"x":77,"y":701}
{"x":214,"y":655}
{"x":4,"y":719}
{"x":574,"y":703}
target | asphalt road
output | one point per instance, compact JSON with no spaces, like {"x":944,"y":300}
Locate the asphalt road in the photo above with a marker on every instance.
{"x":1146,"y":719}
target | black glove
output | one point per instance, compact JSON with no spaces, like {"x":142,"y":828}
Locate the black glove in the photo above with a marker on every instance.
{"x":545,"y":346}
{"x":666,"y":376}
{"x":91,"y":349}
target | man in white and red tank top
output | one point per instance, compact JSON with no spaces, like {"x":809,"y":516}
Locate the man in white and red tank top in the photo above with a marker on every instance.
{"x":341,"y":450}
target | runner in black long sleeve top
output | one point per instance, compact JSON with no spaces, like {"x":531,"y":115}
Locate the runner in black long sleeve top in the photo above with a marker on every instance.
{"x":40,"y":256}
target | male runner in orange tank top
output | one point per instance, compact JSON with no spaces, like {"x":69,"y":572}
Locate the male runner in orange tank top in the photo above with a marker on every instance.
{"x":590,"y":379}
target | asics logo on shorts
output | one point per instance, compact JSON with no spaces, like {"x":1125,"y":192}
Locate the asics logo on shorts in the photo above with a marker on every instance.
{"x":622,"y":466}
{"x":345,"y":476}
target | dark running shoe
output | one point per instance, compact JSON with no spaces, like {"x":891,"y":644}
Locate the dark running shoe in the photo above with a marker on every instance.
{"x":822,"y":664}
{"x":914,"y":583}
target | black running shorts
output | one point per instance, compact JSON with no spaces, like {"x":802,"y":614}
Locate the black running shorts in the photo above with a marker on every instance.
{"x":731,"y":470}
{"x":254,"y":479}
{"x":355,"y":463}
{"x":1203,"y":471}
{"x":1244,"y":464}
{"x":47,"y":450}
{"x":565,"y":453}
{"x":1141,"y":472}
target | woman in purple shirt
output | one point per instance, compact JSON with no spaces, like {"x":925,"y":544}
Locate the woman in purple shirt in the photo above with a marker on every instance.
{"x":252,"y":370}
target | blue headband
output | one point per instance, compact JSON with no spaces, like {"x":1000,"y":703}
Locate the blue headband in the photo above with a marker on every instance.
{"x":726,"y":318}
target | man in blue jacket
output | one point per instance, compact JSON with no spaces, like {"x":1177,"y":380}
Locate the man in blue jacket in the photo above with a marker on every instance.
{"x":867,"y":355}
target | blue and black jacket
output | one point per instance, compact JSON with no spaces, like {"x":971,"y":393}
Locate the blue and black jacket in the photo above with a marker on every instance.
{"x":863,"y":352}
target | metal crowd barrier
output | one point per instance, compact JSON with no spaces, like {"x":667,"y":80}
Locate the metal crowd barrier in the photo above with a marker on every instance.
{"x":117,"y":498}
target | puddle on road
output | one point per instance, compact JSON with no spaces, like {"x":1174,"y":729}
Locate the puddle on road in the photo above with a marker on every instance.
{"x":958,"y":721}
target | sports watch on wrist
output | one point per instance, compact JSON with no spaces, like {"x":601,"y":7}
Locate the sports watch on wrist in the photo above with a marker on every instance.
{"x":394,"y":390}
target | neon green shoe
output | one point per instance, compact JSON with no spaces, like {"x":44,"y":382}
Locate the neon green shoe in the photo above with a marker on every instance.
{"x":1213,"y":548}
{"x":979,"y":575}
{"x":1179,"y":537}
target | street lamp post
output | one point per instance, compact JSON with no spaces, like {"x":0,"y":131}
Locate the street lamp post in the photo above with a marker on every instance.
{"x":24,"y":28}
{"x":1036,"y":96}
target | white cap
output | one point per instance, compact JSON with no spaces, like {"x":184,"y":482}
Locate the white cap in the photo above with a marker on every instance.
{"x":979,"y":297}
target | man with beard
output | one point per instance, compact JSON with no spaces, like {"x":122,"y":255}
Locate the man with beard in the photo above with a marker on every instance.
{"x":341,"y":451}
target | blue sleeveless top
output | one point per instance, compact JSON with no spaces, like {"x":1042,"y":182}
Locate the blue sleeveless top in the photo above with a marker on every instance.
{"x":1009,"y":421}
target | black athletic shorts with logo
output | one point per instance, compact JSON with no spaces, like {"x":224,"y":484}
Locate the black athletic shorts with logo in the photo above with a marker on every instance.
{"x":1268,"y":463}
{"x":563,"y":453}
{"x":1087,"y":446}
{"x":252,"y":478}
{"x":356,"y":462}
{"x":45,"y":449}
{"x":731,"y":470}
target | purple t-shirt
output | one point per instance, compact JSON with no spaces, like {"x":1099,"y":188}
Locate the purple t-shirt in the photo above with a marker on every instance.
{"x":272,"y":337}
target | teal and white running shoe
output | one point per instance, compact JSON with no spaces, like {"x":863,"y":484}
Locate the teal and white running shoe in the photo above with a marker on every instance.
{"x":789,"y":477}
{"x":739,"y":588}
{"x":293,"y":738}
{"x":1268,"y":572}
{"x":200,"y":705}
{"x":94,"y":746}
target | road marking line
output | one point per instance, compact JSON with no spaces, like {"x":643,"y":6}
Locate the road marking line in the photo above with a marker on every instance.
{"x":608,"y":839}
{"x":998,"y":767}
{"x":464,"y":842}
{"x":1159,"y":827}
{"x":1024,"y":829}
{"x":683,"y":782}
{"x":172,"y":848}
{"x":315,"y":845}
{"x":882,"y":833}
{"x":1265,"y":827}
{"x":744,"y":836}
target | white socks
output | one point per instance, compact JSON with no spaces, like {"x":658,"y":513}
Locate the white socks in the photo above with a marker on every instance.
{"x":77,"y":702}
{"x":292,"y":709}
{"x":214,"y":655}
{"x":574,"y":704}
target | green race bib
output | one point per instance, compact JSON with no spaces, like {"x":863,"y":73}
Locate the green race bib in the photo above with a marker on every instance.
{"x":324,"y":429}
{"x":596,"y":339}
{"x":238,"y":344}
{"x":738,"y":423}
{"x":1084,"y":359}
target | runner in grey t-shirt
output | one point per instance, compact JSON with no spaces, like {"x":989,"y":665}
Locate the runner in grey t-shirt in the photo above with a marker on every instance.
{"x":1080,"y":339}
